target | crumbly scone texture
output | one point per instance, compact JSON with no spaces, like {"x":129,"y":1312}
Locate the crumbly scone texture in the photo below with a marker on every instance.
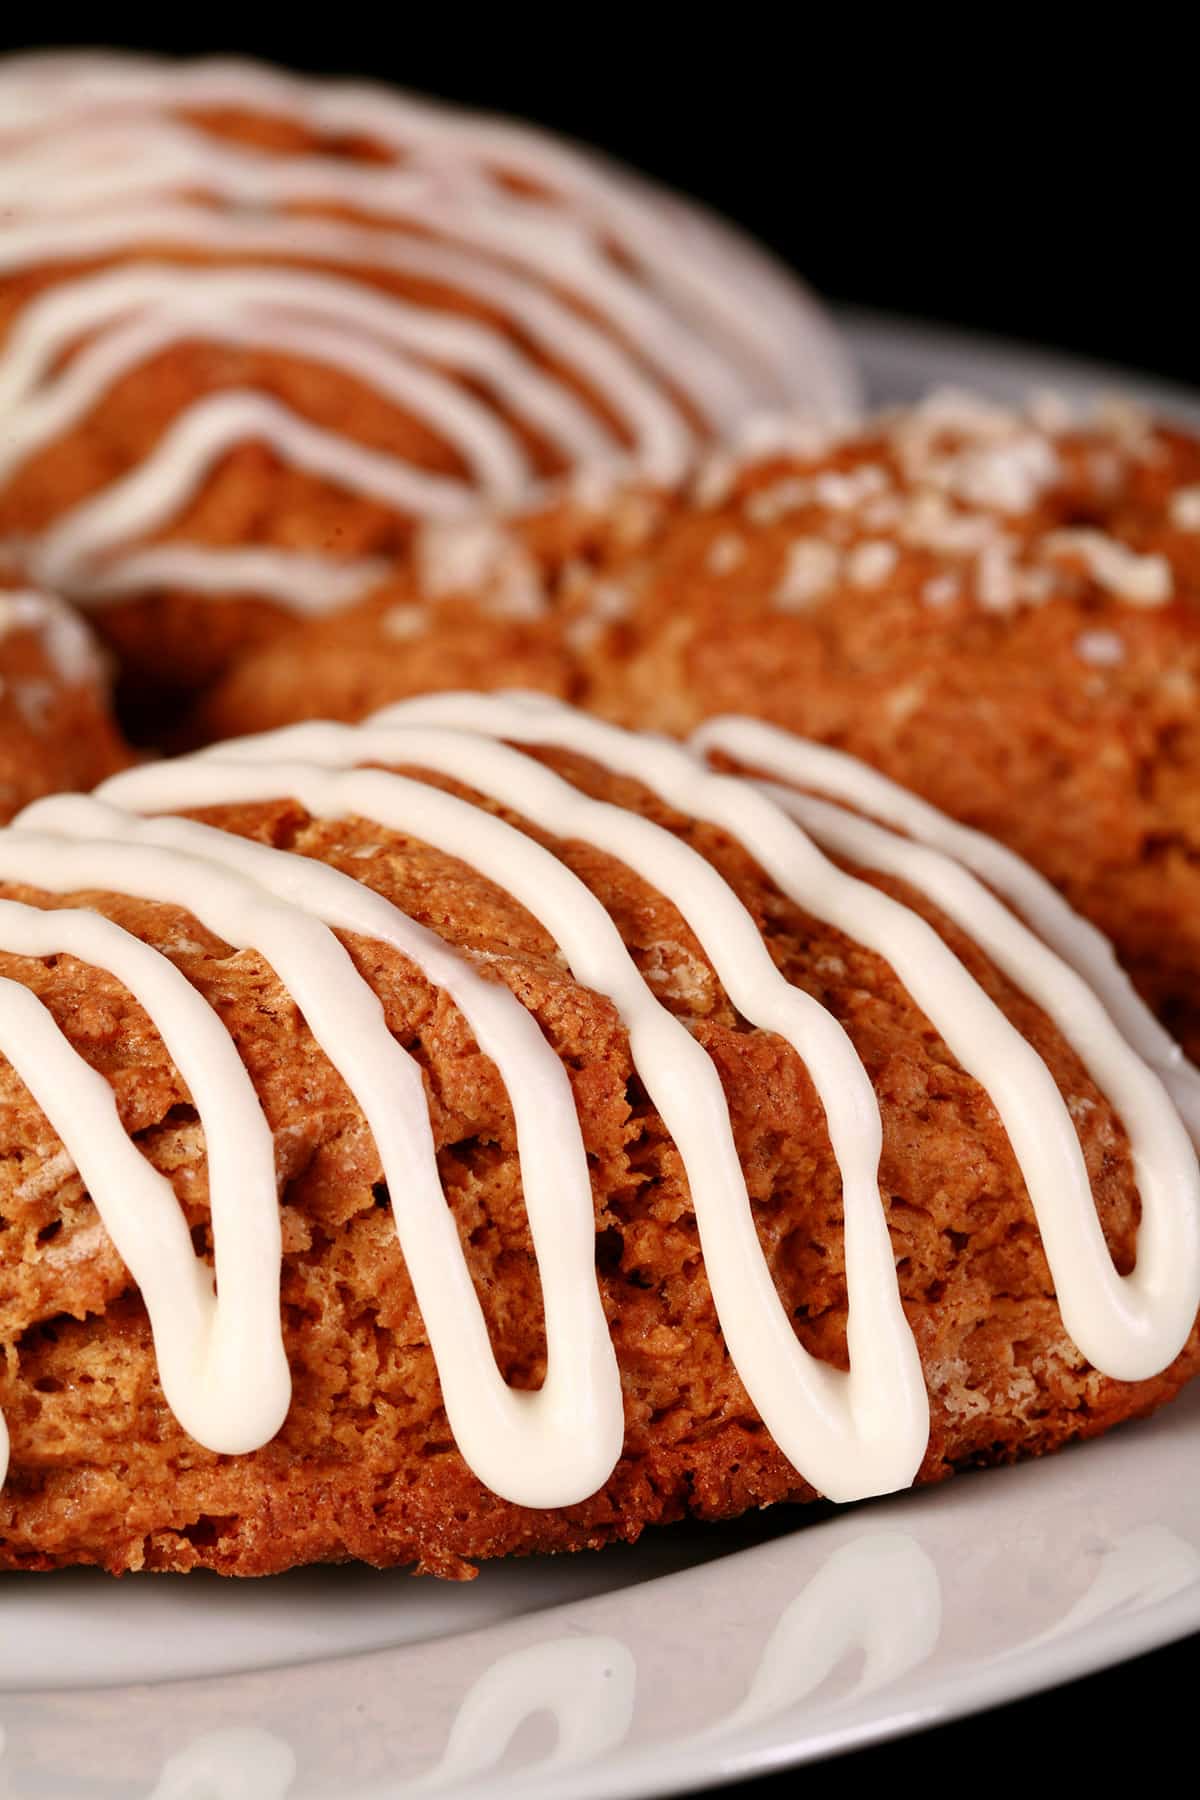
{"x":57,"y":731}
{"x":365,"y":1466}
{"x":1001,"y":611}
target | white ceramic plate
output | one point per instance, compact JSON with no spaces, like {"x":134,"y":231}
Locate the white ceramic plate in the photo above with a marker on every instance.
{"x":701,"y":1655}
{"x":604,"y":1677}
{"x":900,"y":359}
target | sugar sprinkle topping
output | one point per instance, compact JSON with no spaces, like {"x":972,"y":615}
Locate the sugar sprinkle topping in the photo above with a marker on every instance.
{"x":1113,"y":566}
{"x":1103,"y":649}
{"x":811,"y":568}
{"x":479,"y":558}
{"x":68,"y":645}
{"x":1185,"y":509}
{"x":870,"y":563}
{"x":726,"y":553}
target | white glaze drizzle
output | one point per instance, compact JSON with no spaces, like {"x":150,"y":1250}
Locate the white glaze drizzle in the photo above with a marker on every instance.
{"x":292,"y":309}
{"x":85,"y":168}
{"x":541,"y":1449}
{"x":305,"y":582}
{"x":66,"y":641}
{"x":153,"y":491}
{"x":645,"y":302}
{"x":652,"y":426}
{"x":723,"y":278}
{"x":756,"y":745}
{"x":850,"y":1434}
{"x":1129,"y":1326}
{"x":221,"y":1359}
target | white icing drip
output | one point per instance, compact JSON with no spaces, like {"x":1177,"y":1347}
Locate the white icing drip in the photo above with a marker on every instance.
{"x":850,"y":1434}
{"x":150,"y":494}
{"x":654,"y":312}
{"x":302,"y":581}
{"x":87,"y":167}
{"x":756,"y":745}
{"x":220,"y":1356}
{"x":496,"y":464}
{"x":549,"y":1448}
{"x":66,"y":641}
{"x":295,"y":310}
{"x":658,"y":432}
{"x":702,"y":267}
{"x":1129,"y":1326}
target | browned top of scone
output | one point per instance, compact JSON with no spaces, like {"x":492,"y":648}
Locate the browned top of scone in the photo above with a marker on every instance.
{"x":56,"y":729}
{"x":1001,"y":610}
{"x":365,"y":1464}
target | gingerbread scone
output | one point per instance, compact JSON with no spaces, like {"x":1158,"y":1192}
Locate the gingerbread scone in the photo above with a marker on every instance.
{"x":576,"y":1141}
{"x":1001,"y":611}
{"x":56,"y":727}
{"x":253,"y":326}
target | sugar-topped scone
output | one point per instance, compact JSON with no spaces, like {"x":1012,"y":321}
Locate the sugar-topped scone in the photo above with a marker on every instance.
{"x":1002,"y":611}
{"x":579,"y":1138}
{"x":56,"y":728}
{"x":252,"y":326}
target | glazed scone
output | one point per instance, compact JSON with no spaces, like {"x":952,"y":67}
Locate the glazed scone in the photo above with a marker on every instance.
{"x":252,"y":326}
{"x":56,"y":727}
{"x":667,"y":1117}
{"x":1001,"y":611}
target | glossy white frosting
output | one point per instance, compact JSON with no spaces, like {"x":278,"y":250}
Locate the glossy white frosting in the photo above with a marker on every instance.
{"x":850,"y":1434}
{"x":605,"y":316}
{"x":831,"y":774}
{"x":66,"y":641}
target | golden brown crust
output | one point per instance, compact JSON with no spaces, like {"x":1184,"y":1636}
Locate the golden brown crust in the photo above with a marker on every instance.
{"x":365,"y":1466}
{"x":56,"y":728}
{"x":992,"y":672}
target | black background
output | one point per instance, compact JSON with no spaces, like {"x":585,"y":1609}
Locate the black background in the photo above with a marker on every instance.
{"x":994,"y":172}
{"x":1019,"y":171}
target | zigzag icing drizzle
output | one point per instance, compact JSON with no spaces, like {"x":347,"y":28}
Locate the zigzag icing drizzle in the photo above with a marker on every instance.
{"x":951,"y":849}
{"x":660,"y":313}
{"x":851,"y":1434}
